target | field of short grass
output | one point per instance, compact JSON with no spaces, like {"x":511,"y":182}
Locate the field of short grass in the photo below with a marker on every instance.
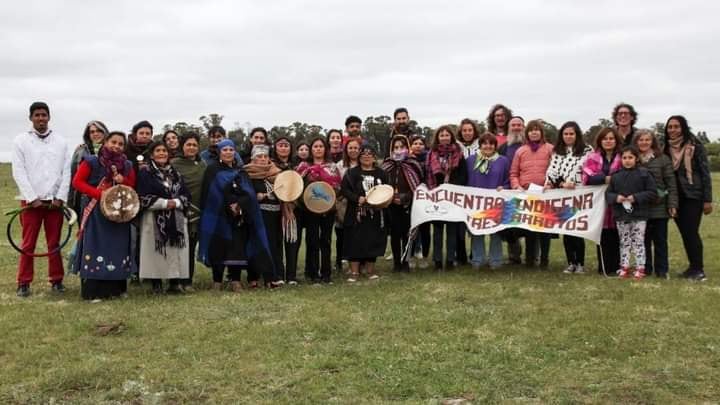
{"x":513,"y":335}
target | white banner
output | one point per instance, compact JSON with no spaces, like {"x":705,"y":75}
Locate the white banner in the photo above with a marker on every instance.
{"x":578,"y":212}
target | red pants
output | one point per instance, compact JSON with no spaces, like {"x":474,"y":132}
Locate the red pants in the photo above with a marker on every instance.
{"x":31,"y":220}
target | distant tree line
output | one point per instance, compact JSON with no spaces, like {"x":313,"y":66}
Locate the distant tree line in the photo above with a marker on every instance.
{"x":377,"y":129}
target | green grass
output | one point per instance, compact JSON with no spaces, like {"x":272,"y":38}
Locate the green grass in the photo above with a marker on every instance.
{"x":513,"y":336}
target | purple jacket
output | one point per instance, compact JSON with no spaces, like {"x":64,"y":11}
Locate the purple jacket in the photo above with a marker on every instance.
{"x":498,"y":174}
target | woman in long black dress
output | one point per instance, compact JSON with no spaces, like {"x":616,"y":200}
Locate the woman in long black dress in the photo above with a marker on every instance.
{"x":366,"y":236}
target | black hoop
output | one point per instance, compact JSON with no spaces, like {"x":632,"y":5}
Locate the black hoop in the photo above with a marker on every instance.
{"x":16,"y":213}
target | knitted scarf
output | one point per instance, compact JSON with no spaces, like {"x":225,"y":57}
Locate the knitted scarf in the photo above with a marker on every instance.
{"x":409,"y":167}
{"x":108,"y":159}
{"x":442,"y":160}
{"x":682,"y":153}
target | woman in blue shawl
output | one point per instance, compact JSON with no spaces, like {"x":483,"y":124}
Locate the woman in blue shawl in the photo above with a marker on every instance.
{"x":232,"y":232}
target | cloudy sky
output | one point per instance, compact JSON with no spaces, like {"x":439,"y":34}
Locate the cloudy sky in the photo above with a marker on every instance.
{"x":275,"y":62}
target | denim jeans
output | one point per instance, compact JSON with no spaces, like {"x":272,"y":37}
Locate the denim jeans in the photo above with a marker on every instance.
{"x":494,"y":257}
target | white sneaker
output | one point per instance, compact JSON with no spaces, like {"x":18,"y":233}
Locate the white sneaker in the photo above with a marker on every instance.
{"x":418,"y":255}
{"x":389,"y":257}
{"x":423,"y":263}
{"x":373,"y":277}
{"x":412,"y":263}
{"x":570,"y":269}
{"x":579,"y":269}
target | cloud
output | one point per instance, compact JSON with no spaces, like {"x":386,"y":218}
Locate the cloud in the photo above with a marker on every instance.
{"x":272,"y":63}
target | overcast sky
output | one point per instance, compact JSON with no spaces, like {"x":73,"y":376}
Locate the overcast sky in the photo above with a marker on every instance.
{"x":275,"y":62}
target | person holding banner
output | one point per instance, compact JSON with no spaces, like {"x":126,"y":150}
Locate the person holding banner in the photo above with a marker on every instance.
{"x":421,"y":245}
{"x":529,"y":167}
{"x":404,"y":174}
{"x":487,"y":169}
{"x":445,"y":164}
{"x":602,"y":163}
{"x":630,"y":192}
{"x":470,"y":145}
{"x":656,"y":232}
{"x":364,"y":224}
{"x":104,"y":256}
{"x":319,"y":226}
{"x":692,"y":172}
{"x":565,"y":171}
{"x":514,"y":140}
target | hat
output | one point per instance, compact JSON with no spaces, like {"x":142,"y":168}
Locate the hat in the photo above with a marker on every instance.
{"x":225,"y":143}
{"x":258,"y":150}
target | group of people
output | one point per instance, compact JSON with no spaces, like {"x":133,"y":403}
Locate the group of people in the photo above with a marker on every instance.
{"x":218,"y":205}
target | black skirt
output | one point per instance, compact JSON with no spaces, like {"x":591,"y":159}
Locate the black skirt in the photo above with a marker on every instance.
{"x":102,"y":289}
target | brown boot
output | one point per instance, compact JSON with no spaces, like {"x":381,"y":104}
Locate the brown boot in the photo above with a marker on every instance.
{"x":236,"y":286}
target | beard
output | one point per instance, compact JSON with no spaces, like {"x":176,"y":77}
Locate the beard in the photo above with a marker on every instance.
{"x":402,"y":128}
{"x":514,"y":137}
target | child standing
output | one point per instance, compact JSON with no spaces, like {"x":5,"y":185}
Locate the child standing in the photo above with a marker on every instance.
{"x":630,"y":192}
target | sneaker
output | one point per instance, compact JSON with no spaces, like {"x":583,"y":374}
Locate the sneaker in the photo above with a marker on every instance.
{"x":639,"y":274}
{"x":58,"y":287}
{"x":570,"y":269}
{"x":419,"y":256}
{"x":412,"y":263}
{"x":579,"y":269}
{"x":697,"y":275}
{"x":624,"y":272}
{"x":352,"y":279}
{"x":292,"y":283}
{"x":373,"y":277}
{"x":23,"y":290}
{"x":389,"y":257}
{"x":422,"y":263}
{"x":280,"y":282}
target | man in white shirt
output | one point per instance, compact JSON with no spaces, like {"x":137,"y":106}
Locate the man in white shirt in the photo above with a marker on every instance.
{"x":41,"y":169}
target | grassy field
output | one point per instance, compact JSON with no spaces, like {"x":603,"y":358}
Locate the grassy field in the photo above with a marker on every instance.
{"x":512,"y":335}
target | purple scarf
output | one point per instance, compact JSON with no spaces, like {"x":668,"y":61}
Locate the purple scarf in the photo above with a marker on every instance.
{"x":534,"y":145}
{"x":108,"y":159}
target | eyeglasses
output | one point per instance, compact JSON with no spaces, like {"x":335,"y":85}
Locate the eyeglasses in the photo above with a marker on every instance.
{"x":623,"y":113}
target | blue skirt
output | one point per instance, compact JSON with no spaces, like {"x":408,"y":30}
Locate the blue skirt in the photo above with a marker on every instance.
{"x":104,"y":252}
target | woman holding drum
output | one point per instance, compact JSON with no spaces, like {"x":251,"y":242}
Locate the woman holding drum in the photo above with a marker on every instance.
{"x":364,"y":224}
{"x":104,"y":258}
{"x":322,"y":178}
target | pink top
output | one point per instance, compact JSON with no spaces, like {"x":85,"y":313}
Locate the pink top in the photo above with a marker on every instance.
{"x":530,"y":167}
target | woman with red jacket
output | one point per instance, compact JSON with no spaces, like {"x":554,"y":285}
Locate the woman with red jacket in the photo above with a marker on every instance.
{"x":103,"y":259}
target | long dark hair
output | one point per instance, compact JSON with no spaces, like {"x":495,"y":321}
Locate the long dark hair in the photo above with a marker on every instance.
{"x":326,"y":158}
{"x":492,"y":127}
{"x":578,"y":147}
{"x":686,"y":133}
